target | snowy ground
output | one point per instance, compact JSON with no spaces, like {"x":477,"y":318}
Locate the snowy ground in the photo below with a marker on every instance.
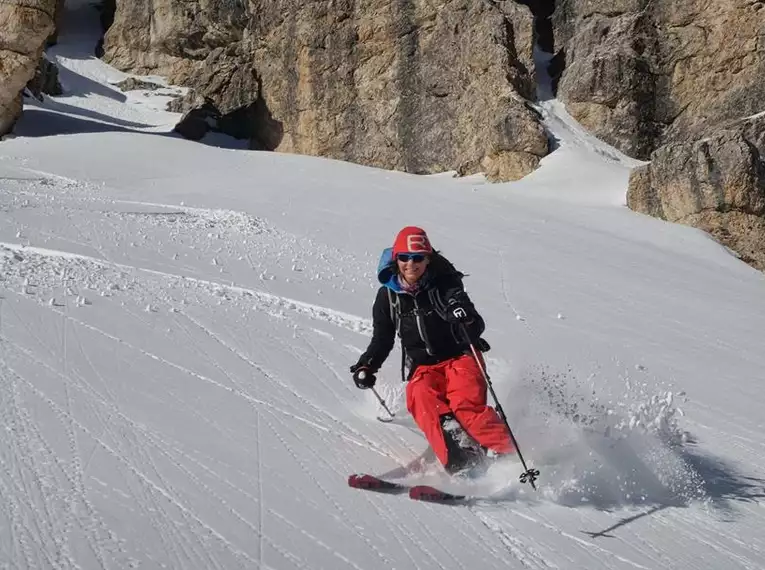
{"x":177,"y":320}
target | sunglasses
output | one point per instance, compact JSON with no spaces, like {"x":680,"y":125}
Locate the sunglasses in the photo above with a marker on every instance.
{"x":414,"y":257}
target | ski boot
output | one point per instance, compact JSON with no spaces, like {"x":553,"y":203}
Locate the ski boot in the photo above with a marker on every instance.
{"x":466,"y":459}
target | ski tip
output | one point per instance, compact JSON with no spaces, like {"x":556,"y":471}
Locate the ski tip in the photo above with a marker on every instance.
{"x":372,"y":483}
{"x":433,"y":495}
{"x":360,"y":480}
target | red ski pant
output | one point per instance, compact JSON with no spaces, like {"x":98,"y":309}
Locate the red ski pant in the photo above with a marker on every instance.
{"x":455,"y":386}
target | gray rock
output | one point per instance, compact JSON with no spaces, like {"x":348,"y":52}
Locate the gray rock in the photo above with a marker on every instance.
{"x":45,"y":80}
{"x":133,"y":84}
{"x":27,"y":24}
{"x":716,"y":184}
{"x":184,"y":104}
{"x":641,"y":74}
{"x":412,"y":85}
{"x":678,"y":82}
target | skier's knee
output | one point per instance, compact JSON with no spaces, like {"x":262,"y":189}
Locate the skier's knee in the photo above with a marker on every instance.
{"x":463,"y":403}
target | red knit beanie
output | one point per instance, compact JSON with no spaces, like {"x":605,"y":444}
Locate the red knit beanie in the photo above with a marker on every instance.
{"x":412,"y":240}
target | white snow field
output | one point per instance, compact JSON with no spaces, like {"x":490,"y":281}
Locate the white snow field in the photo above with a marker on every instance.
{"x":177,"y":321}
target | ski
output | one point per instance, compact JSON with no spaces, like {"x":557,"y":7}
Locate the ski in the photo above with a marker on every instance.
{"x":433,"y":495}
{"x":426,"y":493}
{"x":372,"y":483}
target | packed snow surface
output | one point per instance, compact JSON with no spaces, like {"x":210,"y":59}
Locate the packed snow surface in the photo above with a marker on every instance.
{"x":177,"y":320}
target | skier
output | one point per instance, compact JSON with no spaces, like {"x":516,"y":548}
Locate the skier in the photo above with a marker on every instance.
{"x":423,"y":300}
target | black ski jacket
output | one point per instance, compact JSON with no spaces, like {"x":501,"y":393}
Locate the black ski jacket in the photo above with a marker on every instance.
{"x":420,"y":318}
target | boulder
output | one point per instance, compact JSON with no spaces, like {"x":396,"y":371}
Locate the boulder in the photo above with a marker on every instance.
{"x":45,"y":80}
{"x":133,"y":84}
{"x":716,"y":184}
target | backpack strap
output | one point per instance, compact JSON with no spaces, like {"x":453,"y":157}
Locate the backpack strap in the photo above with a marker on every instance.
{"x":395,"y":308}
{"x":395,"y":316}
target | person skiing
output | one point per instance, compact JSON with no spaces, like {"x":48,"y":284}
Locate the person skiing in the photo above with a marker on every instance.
{"x":423,"y":300}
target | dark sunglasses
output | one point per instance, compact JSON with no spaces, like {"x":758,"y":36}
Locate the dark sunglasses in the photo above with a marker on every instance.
{"x":414,"y":257}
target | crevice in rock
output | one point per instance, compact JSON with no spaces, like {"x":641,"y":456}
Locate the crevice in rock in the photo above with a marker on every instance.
{"x":544,"y":31}
{"x":555,"y":69}
{"x":266,"y":132}
{"x":548,"y":67}
{"x":57,"y":18}
{"x":106,"y":9}
{"x":408,"y":83}
{"x":542,"y":10}
{"x":289,"y":64}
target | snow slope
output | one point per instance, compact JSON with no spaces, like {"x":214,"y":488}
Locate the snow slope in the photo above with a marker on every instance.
{"x":177,"y":320}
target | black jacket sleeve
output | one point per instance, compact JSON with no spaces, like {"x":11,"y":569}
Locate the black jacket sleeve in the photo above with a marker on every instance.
{"x":383,"y":332}
{"x":452,"y":291}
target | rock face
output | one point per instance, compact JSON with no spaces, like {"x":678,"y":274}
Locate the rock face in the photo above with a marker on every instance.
{"x":414,"y":85}
{"x":642,"y":73}
{"x":716,"y":184}
{"x":26,"y":25}
{"x":678,"y":82}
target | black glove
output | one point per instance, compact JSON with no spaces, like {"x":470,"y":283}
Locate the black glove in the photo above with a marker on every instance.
{"x":456,"y":313}
{"x":363,"y":376}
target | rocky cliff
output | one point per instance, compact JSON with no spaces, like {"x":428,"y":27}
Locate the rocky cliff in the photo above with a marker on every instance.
{"x":680,"y":83}
{"x":641,"y":73}
{"x":716,"y":184}
{"x":26,"y":26}
{"x":416,"y":85}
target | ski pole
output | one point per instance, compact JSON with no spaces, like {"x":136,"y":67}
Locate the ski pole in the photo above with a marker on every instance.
{"x":362,"y":375}
{"x":384,"y":405}
{"x":528,"y":475}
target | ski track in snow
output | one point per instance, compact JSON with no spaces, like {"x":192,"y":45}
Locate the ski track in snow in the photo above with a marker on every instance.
{"x":41,"y":274}
{"x":271,"y":304}
{"x":157,"y":467}
{"x":43,"y":267}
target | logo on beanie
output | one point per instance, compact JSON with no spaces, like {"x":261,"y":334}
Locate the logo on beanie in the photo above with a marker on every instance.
{"x":412,"y":239}
{"x":417,"y":244}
